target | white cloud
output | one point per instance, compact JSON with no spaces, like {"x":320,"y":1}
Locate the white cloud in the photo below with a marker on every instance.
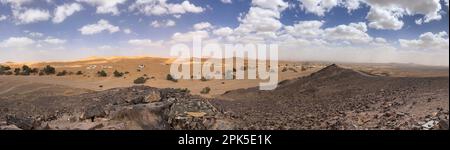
{"x":352,"y":4}
{"x":36,"y":34}
{"x":64,"y":11}
{"x":319,"y":7}
{"x":260,"y":20}
{"x":383,"y":14}
{"x":428,"y":8}
{"x":54,"y":41}
{"x":127,"y":31}
{"x":17,"y":42}
{"x":27,"y":16}
{"x":105,"y":47}
{"x":105,"y":6}
{"x":161,"y":7}
{"x":202,"y":25}
{"x":226,"y":1}
{"x":170,"y":23}
{"x":101,"y":25}
{"x":16,"y":3}
{"x":144,"y":43}
{"x":277,"y":5}
{"x":3,"y":17}
{"x":384,"y":19}
{"x":354,"y":33}
{"x":188,"y":37}
{"x":306,"y":29}
{"x":427,"y":41}
{"x":223,"y":31}
{"x":155,"y":24}
{"x":164,"y":23}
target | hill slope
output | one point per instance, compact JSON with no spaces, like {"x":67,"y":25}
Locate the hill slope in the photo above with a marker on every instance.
{"x":338,"y":98}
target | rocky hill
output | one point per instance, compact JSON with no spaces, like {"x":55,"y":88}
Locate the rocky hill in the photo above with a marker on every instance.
{"x":339,"y":98}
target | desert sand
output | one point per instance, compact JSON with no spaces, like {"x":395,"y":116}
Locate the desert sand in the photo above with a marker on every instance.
{"x":310,"y":95}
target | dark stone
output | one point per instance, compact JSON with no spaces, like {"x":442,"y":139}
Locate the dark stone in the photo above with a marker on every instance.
{"x":93,"y":112}
{"x":24,"y":123}
{"x":443,"y":125}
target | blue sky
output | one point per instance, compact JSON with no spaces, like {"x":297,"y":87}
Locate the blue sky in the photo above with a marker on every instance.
{"x":378,"y":31}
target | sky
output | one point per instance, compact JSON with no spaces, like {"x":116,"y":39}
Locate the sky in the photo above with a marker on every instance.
{"x":373,"y":31}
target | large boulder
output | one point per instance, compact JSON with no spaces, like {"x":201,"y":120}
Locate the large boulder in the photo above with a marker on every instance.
{"x":93,"y":112}
{"x":25,"y":123}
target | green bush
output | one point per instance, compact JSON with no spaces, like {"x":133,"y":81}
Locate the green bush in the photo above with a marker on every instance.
{"x":184,"y":90}
{"x":16,"y":71}
{"x":4,"y":70}
{"x":48,"y":70}
{"x":118,"y":74}
{"x":34,"y":70}
{"x":140,"y":80}
{"x":26,"y":70}
{"x":63,"y":73}
{"x":205,"y":90}
{"x":102,"y":73}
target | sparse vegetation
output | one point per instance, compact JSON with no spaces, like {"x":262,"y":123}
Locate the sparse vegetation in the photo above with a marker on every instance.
{"x":16,"y":71}
{"x":62,"y":73}
{"x":292,"y":69}
{"x":26,"y":70}
{"x":102,"y":73}
{"x":185,"y":90}
{"x":5,"y":70}
{"x":79,"y":73}
{"x":171,"y":78}
{"x":118,"y":74}
{"x":48,"y":70}
{"x":140,"y":80}
{"x":303,"y":68}
{"x":205,"y":90}
{"x":203,"y":79}
{"x":34,"y":71}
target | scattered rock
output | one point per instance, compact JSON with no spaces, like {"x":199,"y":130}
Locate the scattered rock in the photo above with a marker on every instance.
{"x":196,"y":114}
{"x":93,"y":112}
{"x":443,"y":125}
{"x":87,"y":126}
{"x":428,"y":125}
{"x":153,"y":96}
{"x":24,"y":123}
{"x":9,"y":127}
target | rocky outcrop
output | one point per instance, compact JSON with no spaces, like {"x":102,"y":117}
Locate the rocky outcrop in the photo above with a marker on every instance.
{"x":336,"y":98}
{"x":137,"y":107}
